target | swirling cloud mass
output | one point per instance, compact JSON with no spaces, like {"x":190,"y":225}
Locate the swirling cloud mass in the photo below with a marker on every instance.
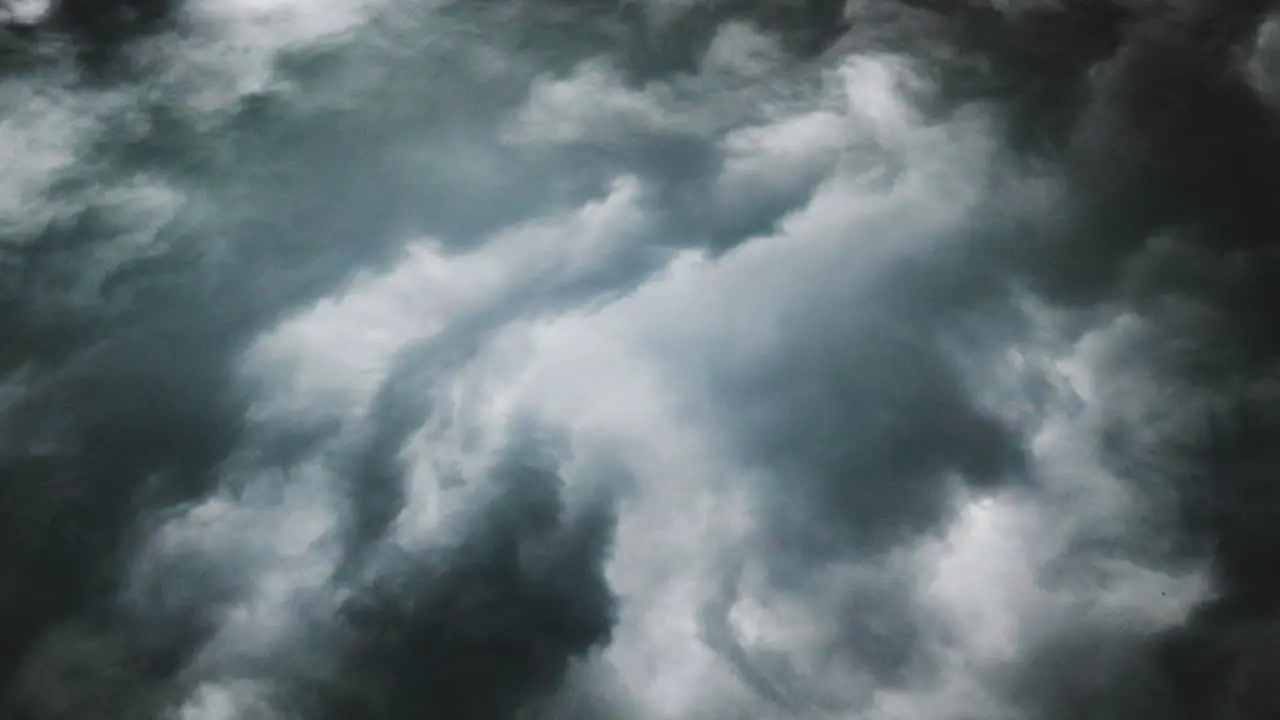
{"x":639,"y":360}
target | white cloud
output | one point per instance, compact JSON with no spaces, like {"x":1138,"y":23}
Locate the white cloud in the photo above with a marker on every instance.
{"x":332,"y":358}
{"x":590,"y":106}
{"x":624,"y":381}
{"x":234,"y":48}
{"x":26,"y":12}
{"x":46,"y":132}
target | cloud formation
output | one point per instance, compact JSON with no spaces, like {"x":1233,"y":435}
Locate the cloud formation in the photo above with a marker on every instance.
{"x":659,"y":360}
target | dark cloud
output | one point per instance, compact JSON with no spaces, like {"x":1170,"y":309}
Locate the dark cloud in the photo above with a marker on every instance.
{"x":98,"y":32}
{"x":1170,"y":154}
{"x":859,"y":425}
{"x":1103,"y":670}
{"x":1167,"y":151}
{"x":498,"y":624}
{"x":865,"y":436}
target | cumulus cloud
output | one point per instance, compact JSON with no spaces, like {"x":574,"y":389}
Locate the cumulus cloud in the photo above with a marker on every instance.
{"x":397,"y":358}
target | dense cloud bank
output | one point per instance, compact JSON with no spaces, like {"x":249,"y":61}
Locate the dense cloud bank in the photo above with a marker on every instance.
{"x":665,"y":360}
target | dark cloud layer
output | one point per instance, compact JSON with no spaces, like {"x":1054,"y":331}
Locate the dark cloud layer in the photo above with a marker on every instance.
{"x":859,"y":428}
{"x":1171,"y":155}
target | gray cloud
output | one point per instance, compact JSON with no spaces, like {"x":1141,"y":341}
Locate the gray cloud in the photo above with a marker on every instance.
{"x":655,"y":360}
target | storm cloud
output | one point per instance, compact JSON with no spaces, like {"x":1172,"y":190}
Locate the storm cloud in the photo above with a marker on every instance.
{"x":660,"y":360}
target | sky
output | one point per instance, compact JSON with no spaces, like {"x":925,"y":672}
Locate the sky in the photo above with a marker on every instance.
{"x":639,"y":359}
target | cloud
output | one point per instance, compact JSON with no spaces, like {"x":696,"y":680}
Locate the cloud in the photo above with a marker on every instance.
{"x":891,"y":359}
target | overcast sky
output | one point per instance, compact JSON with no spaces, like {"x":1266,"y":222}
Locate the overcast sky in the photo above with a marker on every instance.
{"x":644,"y":360}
